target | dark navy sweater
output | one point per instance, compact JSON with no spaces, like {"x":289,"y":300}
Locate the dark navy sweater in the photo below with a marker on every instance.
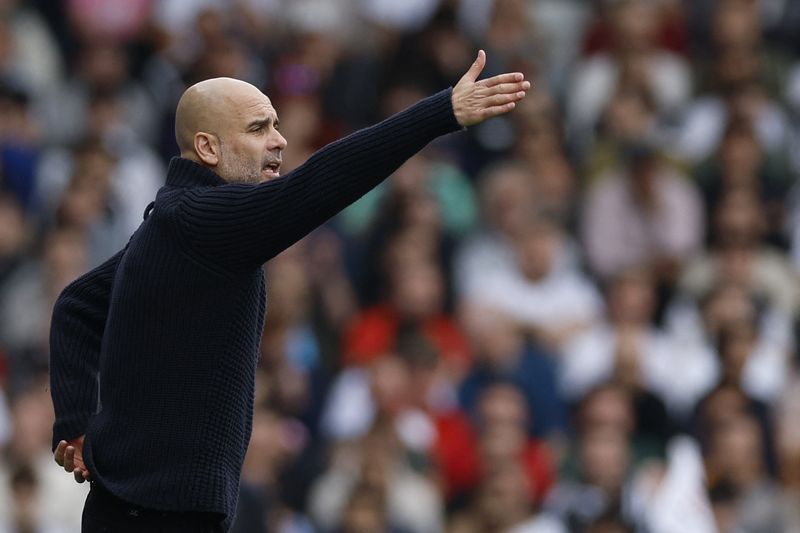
{"x":153,"y":353}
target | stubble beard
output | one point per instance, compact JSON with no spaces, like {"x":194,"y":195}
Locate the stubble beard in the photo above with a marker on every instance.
{"x":235,"y":168}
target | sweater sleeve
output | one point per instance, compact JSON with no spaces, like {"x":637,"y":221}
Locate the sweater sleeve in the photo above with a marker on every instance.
{"x":76,"y":334}
{"x":245,"y":225}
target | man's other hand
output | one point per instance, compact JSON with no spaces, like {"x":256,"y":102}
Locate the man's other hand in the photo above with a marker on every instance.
{"x":475,"y":101}
{"x":69,"y":454}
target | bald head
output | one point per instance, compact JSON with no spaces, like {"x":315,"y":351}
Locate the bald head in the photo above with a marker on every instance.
{"x":229,"y":126}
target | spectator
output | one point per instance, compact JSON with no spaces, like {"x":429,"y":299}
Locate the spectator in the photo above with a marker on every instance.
{"x":497,"y":434}
{"x":735,"y":457}
{"x":643,"y":214}
{"x":275,"y":442}
{"x":636,"y":412}
{"x":29,"y":57}
{"x":28,"y":296}
{"x":739,"y":164}
{"x":740,"y":256}
{"x":502,"y":354}
{"x":705,"y":120}
{"x":788,"y":447}
{"x":548,"y":299}
{"x":15,"y":236}
{"x":630,"y":117}
{"x":377,"y":462}
{"x":729,"y":307}
{"x":102,"y":67}
{"x":45,"y":500}
{"x":600,"y":487}
{"x":20,"y":146}
{"x":627,"y":346}
{"x":634,"y":59}
{"x":507,"y":198}
{"x":415,"y":300}
{"x":503,"y":504}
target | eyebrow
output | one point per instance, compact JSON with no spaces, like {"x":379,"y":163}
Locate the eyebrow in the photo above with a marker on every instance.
{"x":263,"y":122}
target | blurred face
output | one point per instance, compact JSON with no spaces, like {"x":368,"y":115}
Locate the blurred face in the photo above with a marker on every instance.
{"x":417,"y":289}
{"x":87,"y":194}
{"x":736,"y":449}
{"x":65,"y":258}
{"x":736,"y":65}
{"x":13,"y":229}
{"x":725,"y":403}
{"x":631,"y":299}
{"x":508,"y":26}
{"x":739,"y":218}
{"x":104,"y":65}
{"x":498,"y":341}
{"x":740,"y":155}
{"x":504,"y":498}
{"x":508,"y":199}
{"x":537,"y":249}
{"x":291,"y":298}
{"x":736,"y":23}
{"x":32,"y":415}
{"x":635,"y":23}
{"x":363,"y":514}
{"x":390,"y":384}
{"x":604,"y":457}
{"x":251,"y":146}
{"x":611,"y":408}
{"x":503,"y":404}
{"x":555,"y":185}
{"x":729,"y":305}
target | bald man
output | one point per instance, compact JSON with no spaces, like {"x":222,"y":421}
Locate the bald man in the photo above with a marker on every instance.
{"x":153,"y":353}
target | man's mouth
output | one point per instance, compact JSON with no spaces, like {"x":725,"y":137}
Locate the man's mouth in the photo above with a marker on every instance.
{"x":273,"y":167}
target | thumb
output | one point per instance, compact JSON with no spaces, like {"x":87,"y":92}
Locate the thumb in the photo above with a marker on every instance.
{"x":477,"y":67}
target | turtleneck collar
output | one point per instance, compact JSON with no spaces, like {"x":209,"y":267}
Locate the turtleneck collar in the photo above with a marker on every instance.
{"x":186,"y":173}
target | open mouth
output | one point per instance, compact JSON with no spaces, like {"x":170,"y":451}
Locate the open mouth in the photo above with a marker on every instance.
{"x":273,"y":168}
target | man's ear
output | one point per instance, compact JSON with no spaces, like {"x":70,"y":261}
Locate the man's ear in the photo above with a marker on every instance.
{"x":207,"y":147}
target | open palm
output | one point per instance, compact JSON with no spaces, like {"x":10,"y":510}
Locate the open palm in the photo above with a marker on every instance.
{"x":477,"y":100}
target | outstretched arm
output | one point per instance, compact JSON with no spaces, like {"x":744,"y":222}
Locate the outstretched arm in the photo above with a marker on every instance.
{"x":245,"y":225}
{"x":76,"y":333}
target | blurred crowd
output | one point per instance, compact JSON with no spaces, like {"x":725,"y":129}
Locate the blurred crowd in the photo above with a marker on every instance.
{"x":580,"y":317}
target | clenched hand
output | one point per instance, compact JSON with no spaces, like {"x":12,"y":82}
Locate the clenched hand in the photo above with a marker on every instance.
{"x":475,"y":101}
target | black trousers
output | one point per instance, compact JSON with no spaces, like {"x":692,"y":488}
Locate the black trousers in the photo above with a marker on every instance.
{"x":105,"y":513}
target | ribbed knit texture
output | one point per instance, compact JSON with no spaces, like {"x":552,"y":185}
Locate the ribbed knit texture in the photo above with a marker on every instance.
{"x":172,"y":324}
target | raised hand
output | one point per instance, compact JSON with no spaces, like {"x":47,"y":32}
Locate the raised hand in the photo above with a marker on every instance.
{"x":69,"y":454}
{"x":475,"y":101}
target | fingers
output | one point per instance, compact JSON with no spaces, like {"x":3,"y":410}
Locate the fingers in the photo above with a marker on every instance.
{"x":477,"y":67}
{"x":59,"y":453}
{"x":80,"y":475}
{"x":494,"y":111}
{"x":69,"y":459}
{"x":510,"y":77}
{"x":501,"y":99}
{"x":507,"y":88}
{"x":65,"y":457}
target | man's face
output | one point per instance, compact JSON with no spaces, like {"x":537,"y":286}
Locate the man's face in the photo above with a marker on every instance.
{"x":251,"y":145}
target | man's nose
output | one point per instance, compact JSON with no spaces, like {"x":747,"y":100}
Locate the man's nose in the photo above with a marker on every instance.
{"x":278,"y":141}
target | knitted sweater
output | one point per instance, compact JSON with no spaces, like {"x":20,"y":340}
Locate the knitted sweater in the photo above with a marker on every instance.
{"x":153,"y":354}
